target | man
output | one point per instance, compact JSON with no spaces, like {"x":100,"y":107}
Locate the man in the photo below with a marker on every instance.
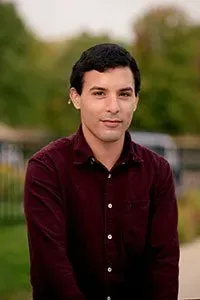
{"x":101,"y":210}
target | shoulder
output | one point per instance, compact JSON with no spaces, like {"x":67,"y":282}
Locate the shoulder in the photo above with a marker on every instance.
{"x":55,"y":150}
{"x":51,"y":160}
{"x":150,"y":159}
{"x":158,"y":171}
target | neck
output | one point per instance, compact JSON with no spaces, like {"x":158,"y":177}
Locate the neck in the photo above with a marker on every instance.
{"x":106,"y":153}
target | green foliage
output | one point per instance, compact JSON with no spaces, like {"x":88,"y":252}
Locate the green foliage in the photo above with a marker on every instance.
{"x":34,"y":75}
{"x":22,"y":80}
{"x":166,"y":49}
{"x":189,"y":216}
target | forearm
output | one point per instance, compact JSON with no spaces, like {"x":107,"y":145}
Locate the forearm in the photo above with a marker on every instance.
{"x":164,"y":273}
{"x":51,"y":268}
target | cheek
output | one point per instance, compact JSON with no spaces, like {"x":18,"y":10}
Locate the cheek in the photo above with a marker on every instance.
{"x":129,"y":119}
{"x":92,"y":108}
{"x":129,"y":113}
{"x":89,"y":113}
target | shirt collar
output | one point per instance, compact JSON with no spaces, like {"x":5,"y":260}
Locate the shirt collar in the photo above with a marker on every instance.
{"x":83,"y":153}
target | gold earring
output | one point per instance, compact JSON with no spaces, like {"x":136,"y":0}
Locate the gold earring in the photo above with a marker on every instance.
{"x":69,"y":101}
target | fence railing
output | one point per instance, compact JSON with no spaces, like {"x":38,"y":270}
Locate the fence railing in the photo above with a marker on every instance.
{"x":190,"y":158}
{"x":12,"y":173}
{"x":11,"y":193}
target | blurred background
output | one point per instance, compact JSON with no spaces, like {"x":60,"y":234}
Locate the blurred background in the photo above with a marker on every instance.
{"x":39,"y":42}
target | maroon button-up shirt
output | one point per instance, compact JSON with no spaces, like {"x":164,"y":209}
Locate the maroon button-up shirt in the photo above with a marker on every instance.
{"x":95,"y":234}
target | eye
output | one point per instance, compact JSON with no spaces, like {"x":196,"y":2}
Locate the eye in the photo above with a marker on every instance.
{"x":98,"y":93}
{"x":125,"y":94}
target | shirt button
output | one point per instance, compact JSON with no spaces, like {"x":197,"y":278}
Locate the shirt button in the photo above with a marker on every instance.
{"x":109,"y":236}
{"x":109,"y":175}
{"x":92,"y":161}
{"x":109,"y":269}
{"x":109,"y":205}
{"x":108,"y":298}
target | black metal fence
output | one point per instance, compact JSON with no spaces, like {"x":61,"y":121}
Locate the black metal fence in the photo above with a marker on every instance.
{"x":13,"y":159}
{"x":190,"y":158}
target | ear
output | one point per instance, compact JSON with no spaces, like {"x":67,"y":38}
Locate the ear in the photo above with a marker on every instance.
{"x":136,"y":103}
{"x":75,"y":98}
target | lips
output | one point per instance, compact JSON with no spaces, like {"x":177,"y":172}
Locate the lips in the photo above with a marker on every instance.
{"x":111,"y":123}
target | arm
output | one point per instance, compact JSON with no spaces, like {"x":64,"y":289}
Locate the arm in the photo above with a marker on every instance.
{"x":164,"y":244}
{"x":50,"y":266}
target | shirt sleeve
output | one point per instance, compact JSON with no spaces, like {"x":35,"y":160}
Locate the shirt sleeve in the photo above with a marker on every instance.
{"x":164,"y":243}
{"x":46,"y":225}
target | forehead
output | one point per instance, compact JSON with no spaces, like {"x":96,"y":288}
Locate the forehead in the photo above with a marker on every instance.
{"x":111,"y":78}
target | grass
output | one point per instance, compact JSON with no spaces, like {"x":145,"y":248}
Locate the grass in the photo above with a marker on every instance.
{"x":14,"y":262}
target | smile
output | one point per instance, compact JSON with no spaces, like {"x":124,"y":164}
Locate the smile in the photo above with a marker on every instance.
{"x":111,"y":123}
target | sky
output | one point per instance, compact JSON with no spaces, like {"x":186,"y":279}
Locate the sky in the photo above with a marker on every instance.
{"x":58,"y":19}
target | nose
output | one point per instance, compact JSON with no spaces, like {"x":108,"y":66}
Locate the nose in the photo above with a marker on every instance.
{"x":112,"y":105}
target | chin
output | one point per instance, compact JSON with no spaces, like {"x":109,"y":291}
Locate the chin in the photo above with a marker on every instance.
{"x":110,"y":137}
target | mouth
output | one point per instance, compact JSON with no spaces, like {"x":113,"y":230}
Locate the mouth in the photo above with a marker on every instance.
{"x":111,"y":123}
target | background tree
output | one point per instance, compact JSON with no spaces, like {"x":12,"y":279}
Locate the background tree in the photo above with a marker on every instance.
{"x":167,"y":49}
{"x":22,"y":77}
{"x":34,"y":74}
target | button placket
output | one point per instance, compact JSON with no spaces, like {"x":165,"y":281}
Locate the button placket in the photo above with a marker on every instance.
{"x":108,"y":225}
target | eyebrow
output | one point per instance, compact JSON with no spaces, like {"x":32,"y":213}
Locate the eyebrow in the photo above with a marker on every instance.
{"x":104,"y":89}
{"x":126,"y":89}
{"x":97,"y":88}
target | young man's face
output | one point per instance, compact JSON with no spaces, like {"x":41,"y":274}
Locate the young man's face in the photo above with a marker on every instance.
{"x":107,"y":103}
